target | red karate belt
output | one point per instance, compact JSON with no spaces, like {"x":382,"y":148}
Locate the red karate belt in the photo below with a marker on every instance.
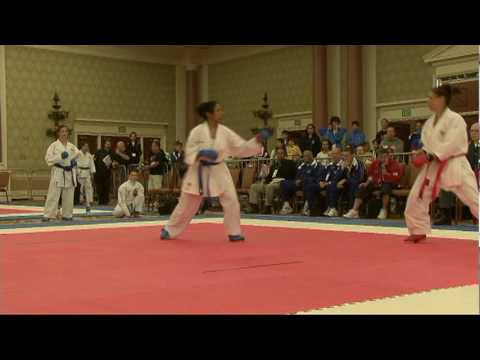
{"x":436,"y":184}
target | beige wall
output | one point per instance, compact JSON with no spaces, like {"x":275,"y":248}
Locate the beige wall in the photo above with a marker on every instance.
{"x":90,"y":87}
{"x":402,"y":73}
{"x":240,"y":84}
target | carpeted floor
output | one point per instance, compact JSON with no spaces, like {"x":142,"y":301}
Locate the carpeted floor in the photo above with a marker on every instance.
{"x":278,"y":270}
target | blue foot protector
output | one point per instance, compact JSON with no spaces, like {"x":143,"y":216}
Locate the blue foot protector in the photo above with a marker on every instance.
{"x":234,"y":238}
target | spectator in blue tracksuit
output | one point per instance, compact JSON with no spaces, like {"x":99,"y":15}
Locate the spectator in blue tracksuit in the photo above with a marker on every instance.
{"x":326,"y":182}
{"x":415,"y":138}
{"x":335,"y":173}
{"x":306,"y":175}
{"x":356,"y":136}
{"x":334,"y":133}
{"x":355,"y":173}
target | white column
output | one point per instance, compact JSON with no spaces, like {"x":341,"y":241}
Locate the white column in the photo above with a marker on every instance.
{"x":180,"y":103}
{"x":204,"y":83}
{"x":369,"y":64}
{"x":3,"y":106}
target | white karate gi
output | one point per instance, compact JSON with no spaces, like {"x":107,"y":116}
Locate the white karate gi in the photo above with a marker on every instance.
{"x":127,"y":201}
{"x":62,"y":182}
{"x":447,"y":140}
{"x":217,"y":180}
{"x":85,"y":171}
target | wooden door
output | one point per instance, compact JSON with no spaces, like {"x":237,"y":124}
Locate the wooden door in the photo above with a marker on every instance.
{"x":467,"y":100}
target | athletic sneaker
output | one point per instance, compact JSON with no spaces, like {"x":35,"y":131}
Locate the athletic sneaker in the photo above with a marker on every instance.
{"x":333,"y":213}
{"x":351,"y":214}
{"x":327,"y":212}
{"x":286,"y":210}
{"x":88,"y":211}
{"x":382,"y":215}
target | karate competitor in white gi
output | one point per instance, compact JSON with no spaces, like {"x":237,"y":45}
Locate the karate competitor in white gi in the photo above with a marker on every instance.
{"x":85,"y":172}
{"x":444,"y":165}
{"x":131,"y":197}
{"x":61,"y":157}
{"x":208,"y":145}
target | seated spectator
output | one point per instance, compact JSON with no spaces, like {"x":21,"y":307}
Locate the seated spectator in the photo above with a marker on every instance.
{"x":334,"y":133}
{"x":273,"y":153}
{"x":391,"y":140}
{"x":327,"y":183}
{"x":131,"y":198}
{"x":281,"y":169}
{"x":355,"y":173}
{"x":384,"y":175}
{"x":363,"y":155}
{"x":306,"y":175}
{"x":383,"y":131}
{"x":335,"y":180}
{"x":310,"y":140}
{"x":356,"y":136}
{"x":414,"y":139}
{"x":293,"y":151}
{"x":324,"y":153}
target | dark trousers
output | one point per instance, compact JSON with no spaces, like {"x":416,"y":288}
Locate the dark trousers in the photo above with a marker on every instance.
{"x":312,"y":194}
{"x":288,"y":188}
{"x":351,"y":192}
{"x":102,"y":186}
{"x":366,"y":192}
{"x":333,"y":194}
{"x":446,"y":200}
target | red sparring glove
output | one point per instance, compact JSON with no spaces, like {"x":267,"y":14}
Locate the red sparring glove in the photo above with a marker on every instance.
{"x":420,"y":159}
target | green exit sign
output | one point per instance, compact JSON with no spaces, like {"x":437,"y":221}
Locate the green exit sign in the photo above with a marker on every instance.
{"x":406,"y":112}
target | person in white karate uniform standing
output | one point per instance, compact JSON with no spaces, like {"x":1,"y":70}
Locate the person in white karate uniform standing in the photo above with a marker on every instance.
{"x":443,"y":163}
{"x":62,"y":157}
{"x":208,"y":145}
{"x":86,"y":170}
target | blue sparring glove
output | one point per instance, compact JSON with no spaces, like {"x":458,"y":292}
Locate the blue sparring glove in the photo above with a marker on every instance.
{"x":209,"y":154}
{"x":265,"y":134}
{"x":64,"y":155}
{"x":73,"y":163}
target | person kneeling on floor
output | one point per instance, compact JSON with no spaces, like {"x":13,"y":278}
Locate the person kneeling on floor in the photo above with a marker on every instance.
{"x":384,"y":175}
{"x":131,"y":198}
{"x":306,"y":175}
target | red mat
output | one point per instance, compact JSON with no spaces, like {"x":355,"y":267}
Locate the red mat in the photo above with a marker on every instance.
{"x":278,"y":270}
{"x":4,"y":211}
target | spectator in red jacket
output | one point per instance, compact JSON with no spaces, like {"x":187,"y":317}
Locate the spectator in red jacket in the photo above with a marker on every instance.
{"x":384,"y":174}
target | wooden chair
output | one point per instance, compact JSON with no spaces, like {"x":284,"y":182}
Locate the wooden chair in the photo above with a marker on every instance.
{"x":4,"y":182}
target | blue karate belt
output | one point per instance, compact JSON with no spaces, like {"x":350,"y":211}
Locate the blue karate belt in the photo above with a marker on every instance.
{"x":201,"y":186}
{"x":68,"y":169}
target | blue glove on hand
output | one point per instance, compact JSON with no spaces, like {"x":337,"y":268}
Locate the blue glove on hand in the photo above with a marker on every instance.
{"x":209,"y":154}
{"x":64,"y":155}
{"x":265,"y":134}
{"x":73,"y":163}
